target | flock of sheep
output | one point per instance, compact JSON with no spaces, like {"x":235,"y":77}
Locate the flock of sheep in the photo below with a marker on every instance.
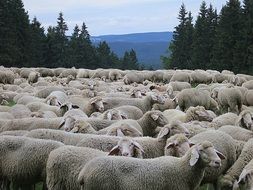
{"x":75,"y":129}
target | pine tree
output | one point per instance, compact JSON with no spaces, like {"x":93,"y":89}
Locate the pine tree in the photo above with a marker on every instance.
{"x":130,"y":60}
{"x":182,"y":42}
{"x":37,"y":44}
{"x":226,"y":47}
{"x":247,"y":33}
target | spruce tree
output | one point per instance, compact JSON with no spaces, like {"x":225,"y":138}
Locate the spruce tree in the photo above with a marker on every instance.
{"x":130,"y":60}
{"x":228,"y":36}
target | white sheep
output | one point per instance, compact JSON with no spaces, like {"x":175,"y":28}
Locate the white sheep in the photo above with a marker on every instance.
{"x":248,"y":84}
{"x":181,"y":77}
{"x":237,"y":133}
{"x":25,"y":159}
{"x":74,"y":158}
{"x":33,"y":77}
{"x":159,"y":173}
{"x":248,"y":98}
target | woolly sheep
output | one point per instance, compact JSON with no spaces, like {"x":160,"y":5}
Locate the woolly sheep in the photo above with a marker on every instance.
{"x":6,"y":115}
{"x":248,"y":84}
{"x":74,"y":158}
{"x":114,"y":75}
{"x":168,"y":104}
{"x":66,"y":72}
{"x":227,"y":181}
{"x":57,"y":98}
{"x":147,"y":124}
{"x":15,"y":133}
{"x":82,"y":73}
{"x":245,"y":178}
{"x":237,"y":133}
{"x":46,"y":91}
{"x":33,"y":77}
{"x":248,"y":98}
{"x":176,"y":86}
{"x":245,"y":120}
{"x":44,"y":114}
{"x":230,"y":98}
{"x":145,"y":104}
{"x":195,"y":97}
{"x":26,"y":99}
{"x":132,"y":77}
{"x":159,"y":173}
{"x":22,"y":166}
{"x":200,"y":76}
{"x":20,"y":111}
{"x":225,"y":119}
{"x":181,"y":77}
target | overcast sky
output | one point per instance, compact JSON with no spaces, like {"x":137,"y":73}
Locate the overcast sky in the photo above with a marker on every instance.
{"x":114,"y":16}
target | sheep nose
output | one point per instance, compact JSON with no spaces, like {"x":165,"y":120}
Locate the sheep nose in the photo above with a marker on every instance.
{"x":217,"y":163}
{"x":125,"y":154}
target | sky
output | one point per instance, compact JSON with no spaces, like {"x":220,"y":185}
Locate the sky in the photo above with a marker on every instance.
{"x":104,"y":17}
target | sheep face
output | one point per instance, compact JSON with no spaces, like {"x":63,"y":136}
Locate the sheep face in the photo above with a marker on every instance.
{"x":245,"y":180}
{"x":126,"y":147}
{"x":157,"y":99}
{"x":206,"y":153}
{"x":177,"y":146}
{"x":81,"y":126}
{"x":247,"y":122}
{"x":114,"y":115}
{"x":137,"y":93}
{"x":124,"y":130}
{"x":202,"y":114}
{"x":97,"y":103}
{"x":158,"y":118}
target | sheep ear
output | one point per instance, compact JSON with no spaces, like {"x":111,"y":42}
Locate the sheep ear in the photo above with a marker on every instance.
{"x":114,"y":151}
{"x":74,"y":130}
{"x":62,"y":123}
{"x":123,"y":116}
{"x":170,"y":145}
{"x":222,"y":156}
{"x":154,"y":97}
{"x":75,"y":107}
{"x":191,"y":144}
{"x":137,"y":145}
{"x":194,"y":156}
{"x":120,"y":133}
{"x":93,"y":101}
{"x":163,"y":133}
{"x":154,"y":116}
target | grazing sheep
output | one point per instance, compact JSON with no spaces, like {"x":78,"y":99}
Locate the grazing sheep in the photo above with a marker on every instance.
{"x":225,"y":119}
{"x":57,"y":98}
{"x":43,"y":93}
{"x":20,"y":111}
{"x":26,"y":99}
{"x":25,"y":159}
{"x":245,"y":120}
{"x":168,"y":104}
{"x":200,"y":76}
{"x":237,"y":133}
{"x":230,"y":99}
{"x":159,"y":173}
{"x":181,"y":77}
{"x":132,"y":77}
{"x":226,"y":182}
{"x":176,"y":86}
{"x":195,"y":97}
{"x":74,"y":158}
{"x":145,"y":104}
{"x":114,"y":75}
{"x":44,"y":114}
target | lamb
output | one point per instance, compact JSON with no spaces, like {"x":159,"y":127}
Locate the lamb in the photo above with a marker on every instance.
{"x":145,"y":104}
{"x":74,"y":158}
{"x":248,"y":84}
{"x":237,"y":133}
{"x":159,"y":173}
{"x":245,"y":178}
{"x":227,"y":181}
{"x":147,"y":124}
{"x":193,"y":113}
{"x":195,"y":97}
{"x":22,"y":166}
{"x":33,"y":77}
{"x":230,"y":98}
{"x":248,"y":98}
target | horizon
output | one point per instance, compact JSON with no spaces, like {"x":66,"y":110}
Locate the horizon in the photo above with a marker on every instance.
{"x":110,"y":17}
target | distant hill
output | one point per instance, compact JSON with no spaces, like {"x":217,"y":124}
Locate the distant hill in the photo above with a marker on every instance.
{"x":148,"y":46}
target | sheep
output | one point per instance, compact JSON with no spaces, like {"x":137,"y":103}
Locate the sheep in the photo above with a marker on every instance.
{"x":181,"y":77}
{"x":126,"y":112}
{"x":44,"y":114}
{"x":114,"y":75}
{"x":230,"y":98}
{"x":6,"y":115}
{"x":39,"y":106}
{"x":218,"y":78}
{"x":168,"y":104}
{"x":82,"y":73}
{"x":147,"y":124}
{"x":237,"y":133}
{"x":245,"y":178}
{"x":245,"y":120}
{"x":176,"y":86}
{"x":15,"y":133}
{"x":145,"y":104}
{"x":225,"y":119}
{"x":76,"y":113}
{"x":22,"y":166}
{"x":20,"y":111}
{"x":29,"y":124}
{"x":193,"y":113}
{"x":248,"y":84}
{"x":66,"y":72}
{"x":43,"y":93}
{"x":248,"y":98}
{"x":132,"y":77}
{"x":199,"y":76}
{"x":26,"y":99}
{"x":227,"y":181}
{"x":4,"y":108}
{"x":45,"y":72}
{"x":153,"y":147}
{"x":195,"y":97}
{"x":158,"y":173}
{"x":74,"y":158}
{"x":33,"y":77}
{"x":56,"y":98}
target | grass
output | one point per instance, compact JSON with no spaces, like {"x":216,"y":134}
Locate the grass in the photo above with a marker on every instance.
{"x":10,"y":103}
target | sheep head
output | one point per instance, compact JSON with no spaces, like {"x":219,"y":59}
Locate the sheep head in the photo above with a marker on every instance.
{"x":124,"y":130}
{"x":97,"y":103}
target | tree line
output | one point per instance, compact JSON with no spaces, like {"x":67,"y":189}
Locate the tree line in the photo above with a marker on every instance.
{"x":25,"y":43}
{"x":215,"y":41}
